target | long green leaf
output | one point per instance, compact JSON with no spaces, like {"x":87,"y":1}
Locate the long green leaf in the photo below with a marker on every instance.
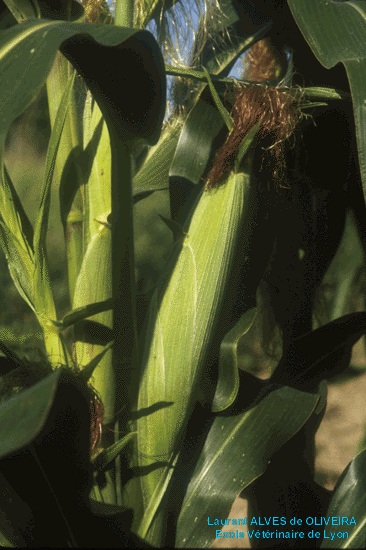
{"x":42,"y":291}
{"x":236,"y":452}
{"x":227,"y":118}
{"x":83,"y":312}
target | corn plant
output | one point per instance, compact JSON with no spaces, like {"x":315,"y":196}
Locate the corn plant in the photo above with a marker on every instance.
{"x":163,"y":430}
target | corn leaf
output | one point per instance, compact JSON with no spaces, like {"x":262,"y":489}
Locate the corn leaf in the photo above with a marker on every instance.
{"x":22,"y":509}
{"x":195,"y":142}
{"x":154,"y":172}
{"x":245,"y":144}
{"x":20,"y":264}
{"x":27,"y":53}
{"x":42,"y":291}
{"x":336,"y":33}
{"x":88,"y":370}
{"x":79,"y":314}
{"x":13,"y":213}
{"x":23,"y":416}
{"x":4,"y":541}
{"x":321,"y":353}
{"x":344,"y":268}
{"x":228,"y":382}
{"x":105,"y":457}
{"x":348,"y":501}
{"x":227,"y":118}
{"x":21,"y":9}
{"x":236,"y":452}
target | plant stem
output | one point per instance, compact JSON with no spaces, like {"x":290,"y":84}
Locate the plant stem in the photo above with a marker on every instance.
{"x":123,"y":262}
{"x":124,"y":13}
{"x":123,"y":284}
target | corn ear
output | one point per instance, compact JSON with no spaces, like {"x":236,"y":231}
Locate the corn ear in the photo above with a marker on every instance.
{"x":182,"y":319}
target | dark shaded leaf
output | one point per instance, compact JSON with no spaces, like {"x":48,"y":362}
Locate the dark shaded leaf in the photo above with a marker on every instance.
{"x":92,"y":332}
{"x":35,"y":44}
{"x":320,"y":354}
{"x":23,"y":9}
{"x":142,"y":195}
{"x":11,"y":357}
{"x":175,"y":227}
{"x":33,"y":427}
{"x":335,"y":31}
{"x":106,"y":456}
{"x":196,"y":141}
{"x":45,"y":431}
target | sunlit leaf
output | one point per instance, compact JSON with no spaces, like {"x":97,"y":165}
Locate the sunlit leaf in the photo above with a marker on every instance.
{"x":236,"y":452}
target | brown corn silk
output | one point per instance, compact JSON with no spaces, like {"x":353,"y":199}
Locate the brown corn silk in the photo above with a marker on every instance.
{"x":278,"y":110}
{"x":280,"y":114}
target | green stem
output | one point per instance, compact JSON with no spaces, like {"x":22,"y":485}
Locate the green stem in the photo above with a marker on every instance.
{"x":123,"y":288}
{"x":124,"y":13}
